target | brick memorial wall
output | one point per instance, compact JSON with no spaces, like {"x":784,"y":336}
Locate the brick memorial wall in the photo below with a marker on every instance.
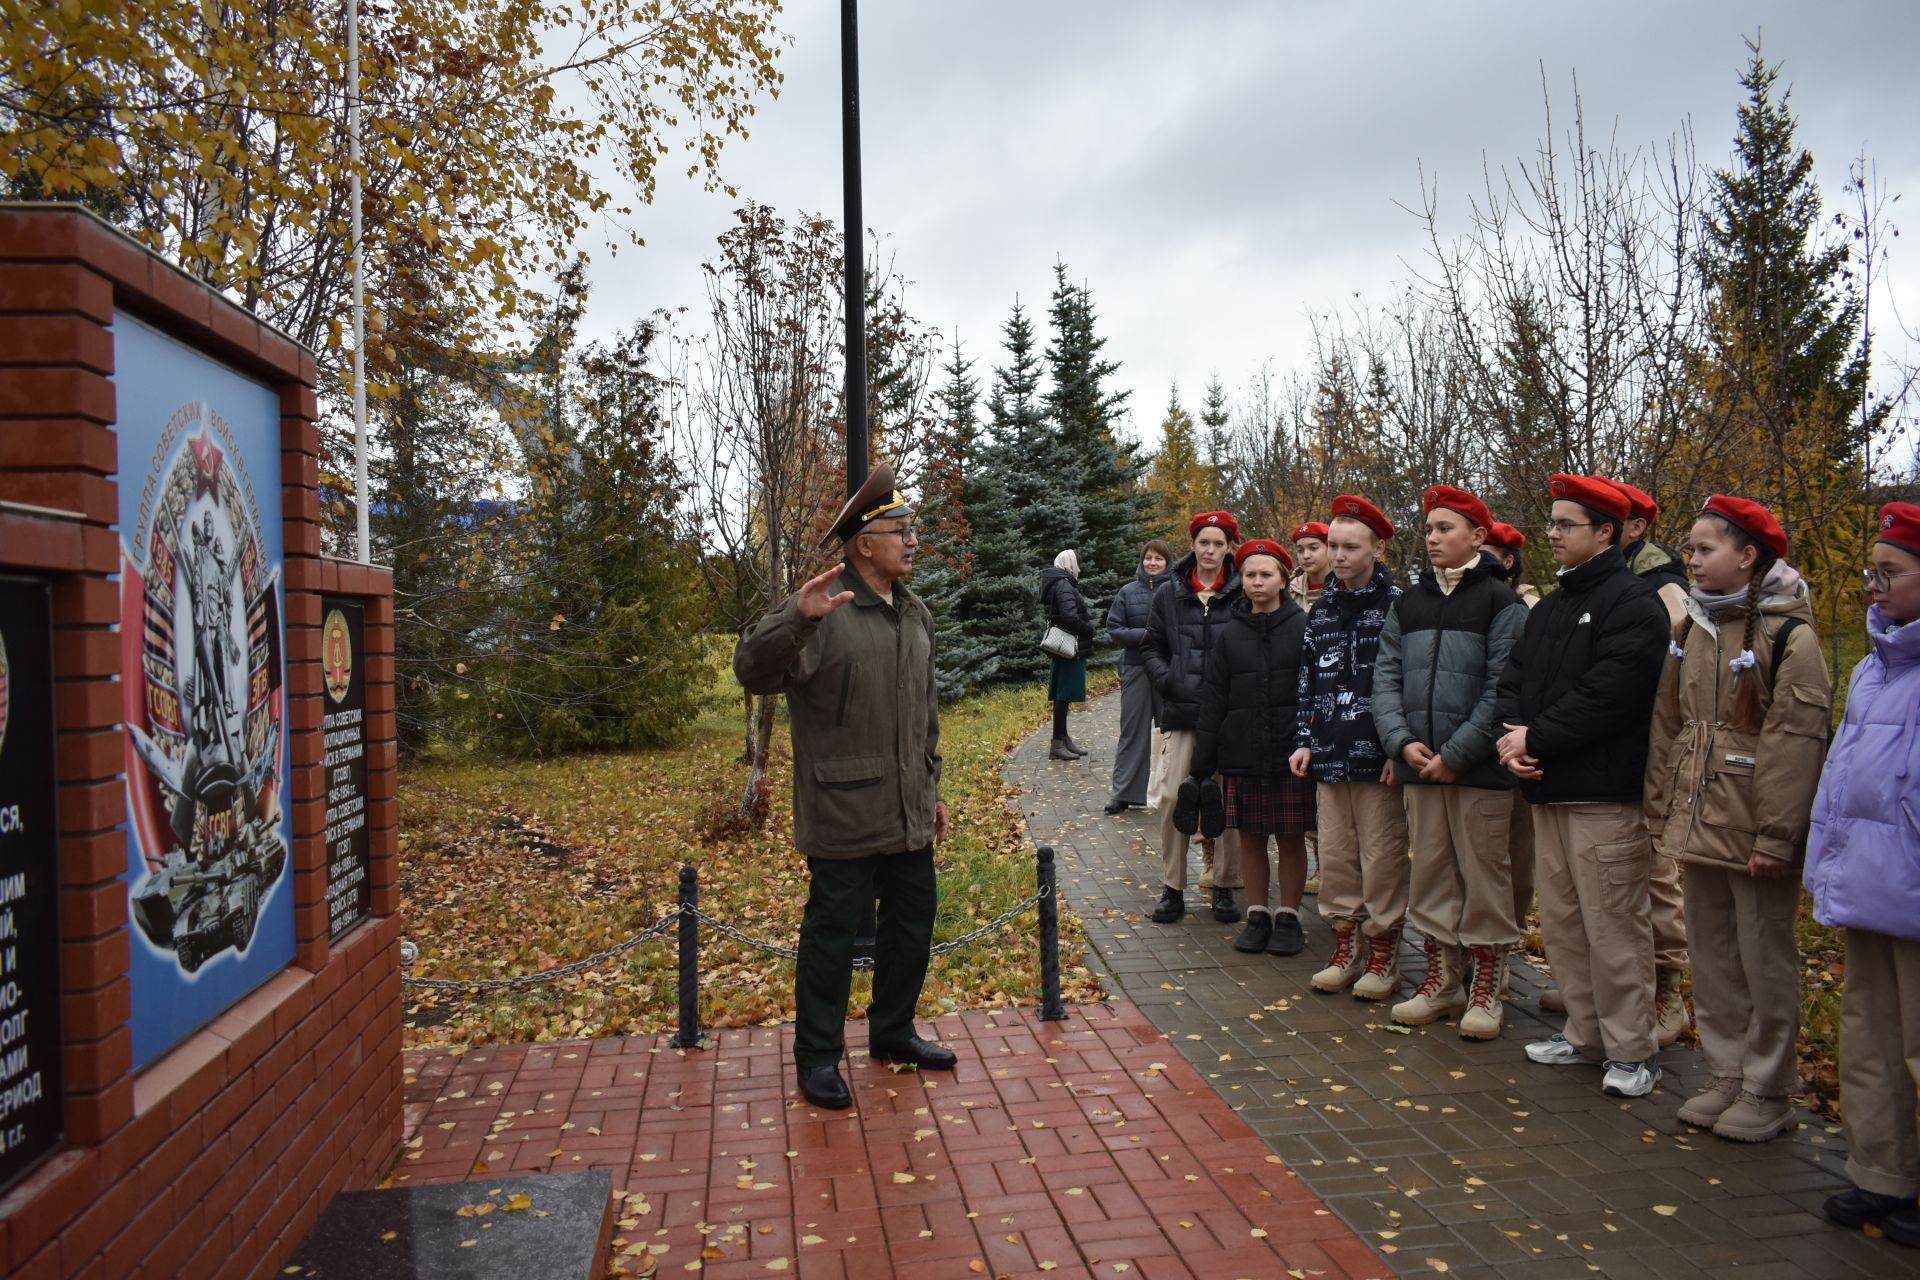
{"x":199,"y":974}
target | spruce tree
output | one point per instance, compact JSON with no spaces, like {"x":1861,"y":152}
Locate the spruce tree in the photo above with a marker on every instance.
{"x":1787,"y":352}
{"x":951,"y":484}
{"x":1217,"y":443}
{"x":1178,"y":477}
{"x":1023,"y":509}
{"x":1114,"y":507}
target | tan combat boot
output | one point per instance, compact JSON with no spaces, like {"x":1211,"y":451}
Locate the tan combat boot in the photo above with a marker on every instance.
{"x":1670,"y":1016}
{"x":1481,"y":1021}
{"x":1753,"y":1118}
{"x":1440,"y":994}
{"x":1702,"y":1109}
{"x":1346,"y":963}
{"x":1382,"y":975}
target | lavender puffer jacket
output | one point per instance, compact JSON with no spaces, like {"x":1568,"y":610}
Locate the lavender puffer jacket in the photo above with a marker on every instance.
{"x":1863,"y":855}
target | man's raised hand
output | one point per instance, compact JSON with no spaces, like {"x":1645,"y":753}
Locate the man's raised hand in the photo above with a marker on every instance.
{"x":815,"y":600}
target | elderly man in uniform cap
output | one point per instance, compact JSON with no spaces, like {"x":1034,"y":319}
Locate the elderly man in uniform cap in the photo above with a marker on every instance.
{"x":866,"y":790}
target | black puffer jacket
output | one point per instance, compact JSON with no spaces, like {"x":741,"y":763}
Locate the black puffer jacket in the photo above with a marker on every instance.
{"x":1336,"y":680}
{"x":1250,"y":694}
{"x":1127,"y":617}
{"x":1065,"y":607}
{"x":1181,"y":630}
{"x":1582,"y":679}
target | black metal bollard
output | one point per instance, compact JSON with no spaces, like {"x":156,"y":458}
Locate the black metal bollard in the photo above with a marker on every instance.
{"x":688,"y":1037}
{"x":1051,"y":1008}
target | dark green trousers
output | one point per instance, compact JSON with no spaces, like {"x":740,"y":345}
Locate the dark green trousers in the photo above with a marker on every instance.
{"x":823,"y":976}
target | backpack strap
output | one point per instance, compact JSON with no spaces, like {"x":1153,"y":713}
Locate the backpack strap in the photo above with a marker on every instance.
{"x":1780,"y":639}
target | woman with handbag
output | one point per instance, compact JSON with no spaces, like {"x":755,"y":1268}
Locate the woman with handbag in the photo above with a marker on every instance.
{"x":1066,"y":611}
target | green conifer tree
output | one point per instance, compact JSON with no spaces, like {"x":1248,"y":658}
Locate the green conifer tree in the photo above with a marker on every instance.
{"x":1115,"y":508}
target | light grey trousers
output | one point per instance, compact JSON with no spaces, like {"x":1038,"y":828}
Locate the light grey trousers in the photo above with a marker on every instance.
{"x":1135,"y":754}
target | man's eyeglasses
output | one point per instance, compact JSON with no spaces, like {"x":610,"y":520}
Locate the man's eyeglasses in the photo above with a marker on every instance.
{"x":907,"y":533}
{"x":1563,"y":526}
{"x":1881,"y":580}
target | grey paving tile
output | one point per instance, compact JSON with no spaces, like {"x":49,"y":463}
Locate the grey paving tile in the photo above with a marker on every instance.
{"x":1569,"y":1178}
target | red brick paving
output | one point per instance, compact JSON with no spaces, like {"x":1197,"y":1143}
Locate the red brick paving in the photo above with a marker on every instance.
{"x":1073,"y":1149}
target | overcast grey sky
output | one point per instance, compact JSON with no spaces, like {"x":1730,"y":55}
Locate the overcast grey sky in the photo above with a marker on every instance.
{"x":1219,"y":172}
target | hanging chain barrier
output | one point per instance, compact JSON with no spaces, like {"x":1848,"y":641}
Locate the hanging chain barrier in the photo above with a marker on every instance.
{"x":689,"y":916}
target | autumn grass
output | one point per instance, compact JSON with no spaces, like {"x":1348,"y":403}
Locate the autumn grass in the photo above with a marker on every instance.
{"x":510,"y":867}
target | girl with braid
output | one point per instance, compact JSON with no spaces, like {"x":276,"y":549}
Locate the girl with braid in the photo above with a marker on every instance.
{"x":1739,"y":732}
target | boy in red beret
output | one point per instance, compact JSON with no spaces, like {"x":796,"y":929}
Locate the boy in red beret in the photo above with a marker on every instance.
{"x":1363,"y":824}
{"x":1576,"y":702}
{"x":1184,"y":621}
{"x":1739,"y":735}
{"x":1441,"y":655}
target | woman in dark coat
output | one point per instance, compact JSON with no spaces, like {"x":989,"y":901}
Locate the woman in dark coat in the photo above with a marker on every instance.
{"x":1066,"y":608}
{"x":1136,"y":755}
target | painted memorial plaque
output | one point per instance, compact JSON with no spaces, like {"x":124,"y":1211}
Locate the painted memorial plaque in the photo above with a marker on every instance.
{"x":201,"y":557}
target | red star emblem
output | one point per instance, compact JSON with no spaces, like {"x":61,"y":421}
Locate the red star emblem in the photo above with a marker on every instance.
{"x":206,"y":464}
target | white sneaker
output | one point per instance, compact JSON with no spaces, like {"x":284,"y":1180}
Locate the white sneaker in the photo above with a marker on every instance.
{"x":1556,"y":1052}
{"x":1630,"y":1079}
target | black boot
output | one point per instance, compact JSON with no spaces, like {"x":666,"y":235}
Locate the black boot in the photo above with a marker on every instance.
{"x":1171,"y":908}
{"x":1224,"y":909}
{"x":1253,"y":939}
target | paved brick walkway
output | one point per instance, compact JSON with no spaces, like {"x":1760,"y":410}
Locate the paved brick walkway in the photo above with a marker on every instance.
{"x":1446,"y":1154}
{"x":1071,"y":1149}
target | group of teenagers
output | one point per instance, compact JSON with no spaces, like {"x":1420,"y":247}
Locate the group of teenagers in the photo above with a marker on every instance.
{"x":1583,"y":745}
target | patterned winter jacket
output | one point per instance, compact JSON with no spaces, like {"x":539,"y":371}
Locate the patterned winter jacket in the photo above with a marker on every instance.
{"x":1335,"y":720}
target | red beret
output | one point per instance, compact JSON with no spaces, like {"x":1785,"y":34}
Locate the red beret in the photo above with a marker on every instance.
{"x":1506,"y":537}
{"x":1354,"y":508}
{"x":1445,"y":495}
{"x":1640,"y":504}
{"x":1596,"y":495}
{"x":1221,"y":520}
{"x":1900,"y":527}
{"x":1262,"y":547}
{"x":1751,"y":519}
{"x":1311,"y":529}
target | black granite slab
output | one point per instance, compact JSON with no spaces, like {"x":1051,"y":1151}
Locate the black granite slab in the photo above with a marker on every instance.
{"x":555,"y":1226}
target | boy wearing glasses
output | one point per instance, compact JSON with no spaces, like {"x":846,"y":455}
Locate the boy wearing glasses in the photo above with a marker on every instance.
{"x":1576,"y":704}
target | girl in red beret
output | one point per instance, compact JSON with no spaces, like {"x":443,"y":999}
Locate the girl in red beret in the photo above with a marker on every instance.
{"x":1249,"y":698}
{"x":1739,"y":732}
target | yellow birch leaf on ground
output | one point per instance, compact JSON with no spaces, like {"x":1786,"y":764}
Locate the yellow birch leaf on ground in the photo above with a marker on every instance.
{"x":1437,"y":1264}
{"x":1665,"y":1210}
{"x":468,"y":1244}
{"x":812,"y":1240}
{"x":903,"y":1178}
{"x":778,"y":1264}
{"x":976,"y":1266}
{"x":1258,"y":1233}
{"x":518,"y":1200}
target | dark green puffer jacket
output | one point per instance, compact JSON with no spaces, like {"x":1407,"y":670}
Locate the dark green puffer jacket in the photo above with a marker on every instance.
{"x":1439,"y":669}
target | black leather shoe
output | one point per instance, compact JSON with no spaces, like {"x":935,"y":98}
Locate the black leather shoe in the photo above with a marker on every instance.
{"x":1171,"y":908}
{"x":824,"y":1088}
{"x":1225,"y":910}
{"x":1903,"y":1227}
{"x":1116,"y":807}
{"x":914,"y":1051}
{"x":1856,"y":1208}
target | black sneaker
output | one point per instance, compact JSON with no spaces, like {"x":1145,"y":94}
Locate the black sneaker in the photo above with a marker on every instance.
{"x":1288,"y":939}
{"x":1171,"y":907}
{"x":1186,"y":807}
{"x":1224,"y":909}
{"x":1213,"y":810}
{"x":1253,"y":938}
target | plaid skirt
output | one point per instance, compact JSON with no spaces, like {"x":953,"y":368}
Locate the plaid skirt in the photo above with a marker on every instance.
{"x":1270,"y":804}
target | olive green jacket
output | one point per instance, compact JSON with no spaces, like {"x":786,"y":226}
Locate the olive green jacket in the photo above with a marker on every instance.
{"x":864,"y":715}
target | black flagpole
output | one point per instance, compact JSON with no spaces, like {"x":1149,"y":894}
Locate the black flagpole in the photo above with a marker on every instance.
{"x":865,"y":934}
{"x":855,"y":247}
